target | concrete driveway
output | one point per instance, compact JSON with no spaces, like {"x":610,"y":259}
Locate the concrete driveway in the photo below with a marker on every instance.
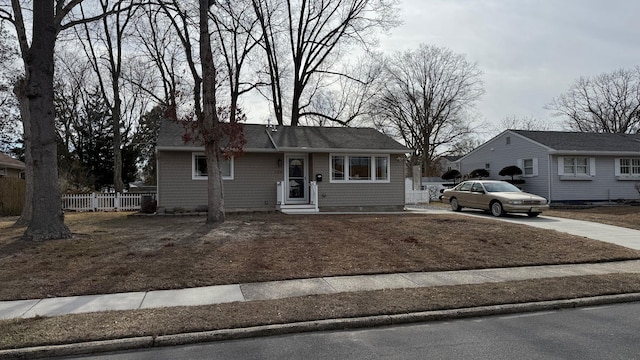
{"x":629,"y":238}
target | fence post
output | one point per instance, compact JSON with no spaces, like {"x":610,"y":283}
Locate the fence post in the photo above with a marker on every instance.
{"x":94,"y":201}
{"x":116,"y":202}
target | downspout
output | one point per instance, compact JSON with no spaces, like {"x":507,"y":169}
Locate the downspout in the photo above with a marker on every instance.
{"x":549,"y":176}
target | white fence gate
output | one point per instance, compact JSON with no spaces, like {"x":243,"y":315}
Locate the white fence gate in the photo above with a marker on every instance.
{"x":103,"y":201}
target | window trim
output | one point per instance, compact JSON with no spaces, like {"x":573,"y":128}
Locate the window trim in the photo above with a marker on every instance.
{"x":194,"y":176}
{"x":346,"y":171}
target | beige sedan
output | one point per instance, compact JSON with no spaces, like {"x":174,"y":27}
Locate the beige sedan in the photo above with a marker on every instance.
{"x":499,"y":197}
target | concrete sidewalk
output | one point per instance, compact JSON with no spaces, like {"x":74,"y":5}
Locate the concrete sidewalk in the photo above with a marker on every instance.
{"x":291,"y":288}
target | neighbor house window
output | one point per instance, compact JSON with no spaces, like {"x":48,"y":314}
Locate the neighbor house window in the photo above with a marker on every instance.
{"x":628,"y":167}
{"x":199,"y":167}
{"x":529,"y":167}
{"x":359,"y":168}
{"x":576,"y":167}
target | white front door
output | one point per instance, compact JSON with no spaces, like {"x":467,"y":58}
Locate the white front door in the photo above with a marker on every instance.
{"x":296,"y":179}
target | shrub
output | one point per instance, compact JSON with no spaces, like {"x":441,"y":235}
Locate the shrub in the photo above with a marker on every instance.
{"x":479,"y":173}
{"x":451,"y":175}
{"x":510,"y":170}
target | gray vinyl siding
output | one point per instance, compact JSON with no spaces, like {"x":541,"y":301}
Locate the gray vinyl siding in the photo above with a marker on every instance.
{"x":359,"y":195}
{"x":498,"y":154}
{"x":602,"y":187}
{"x":253,"y":185}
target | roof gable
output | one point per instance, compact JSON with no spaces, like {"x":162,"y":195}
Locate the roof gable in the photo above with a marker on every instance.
{"x":294,"y":138}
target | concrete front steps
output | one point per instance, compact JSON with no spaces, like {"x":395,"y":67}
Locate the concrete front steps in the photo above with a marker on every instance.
{"x":299,"y":209}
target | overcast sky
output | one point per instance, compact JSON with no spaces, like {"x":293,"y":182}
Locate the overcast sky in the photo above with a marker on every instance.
{"x":529,"y":50}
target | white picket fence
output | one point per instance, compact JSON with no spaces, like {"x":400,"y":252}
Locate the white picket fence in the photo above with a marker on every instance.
{"x":103,"y":201}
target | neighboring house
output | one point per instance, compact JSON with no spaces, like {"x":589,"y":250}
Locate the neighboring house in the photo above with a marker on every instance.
{"x":449,"y":162}
{"x":287,"y":168}
{"x":564,"y":166}
{"x":10,"y":167}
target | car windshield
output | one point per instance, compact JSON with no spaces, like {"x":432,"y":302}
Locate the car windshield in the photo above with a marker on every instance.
{"x":500,"y":187}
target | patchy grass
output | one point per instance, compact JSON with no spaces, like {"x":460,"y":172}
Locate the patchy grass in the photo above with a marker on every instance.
{"x":113,"y":252}
{"x":21,"y":333}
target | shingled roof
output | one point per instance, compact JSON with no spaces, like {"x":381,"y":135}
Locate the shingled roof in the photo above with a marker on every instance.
{"x":261,"y":138}
{"x":580,"y":141}
{"x":9,"y":162}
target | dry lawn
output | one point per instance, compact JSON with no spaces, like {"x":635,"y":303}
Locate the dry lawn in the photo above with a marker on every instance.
{"x":114,"y":252}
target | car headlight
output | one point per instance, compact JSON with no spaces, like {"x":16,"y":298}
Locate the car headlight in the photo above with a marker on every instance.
{"x":515,"y":202}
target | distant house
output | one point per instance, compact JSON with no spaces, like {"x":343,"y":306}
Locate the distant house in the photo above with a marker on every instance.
{"x":564,"y":166}
{"x":288,"y":168}
{"x":10,"y":167}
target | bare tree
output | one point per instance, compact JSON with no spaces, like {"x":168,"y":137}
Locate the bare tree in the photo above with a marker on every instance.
{"x":426,"y":100}
{"x":207,"y":127}
{"x":9,"y":109}
{"x":347,"y":99}
{"x":235,"y":37}
{"x":35,"y":93}
{"x":103,"y":43}
{"x":303,"y":40}
{"x":607,"y":103}
{"x":514,"y":122}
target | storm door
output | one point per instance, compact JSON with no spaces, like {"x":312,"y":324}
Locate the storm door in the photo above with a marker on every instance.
{"x":296,"y":179}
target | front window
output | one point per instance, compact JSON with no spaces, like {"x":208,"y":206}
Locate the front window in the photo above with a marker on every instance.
{"x":199,"y":167}
{"x":578,"y":166}
{"x":359,"y":168}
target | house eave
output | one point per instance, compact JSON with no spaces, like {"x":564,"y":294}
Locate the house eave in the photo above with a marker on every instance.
{"x":11,"y":166}
{"x":337,"y":150}
{"x":595,"y":153}
{"x":293,"y":150}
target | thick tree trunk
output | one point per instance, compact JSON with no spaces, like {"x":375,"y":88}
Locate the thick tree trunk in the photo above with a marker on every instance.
{"x":47,"y":221}
{"x":208,"y":122}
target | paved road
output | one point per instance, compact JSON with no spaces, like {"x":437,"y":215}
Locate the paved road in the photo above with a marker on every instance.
{"x":606,"y":332}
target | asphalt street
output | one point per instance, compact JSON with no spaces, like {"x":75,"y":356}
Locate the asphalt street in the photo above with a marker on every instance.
{"x":605,"y":332}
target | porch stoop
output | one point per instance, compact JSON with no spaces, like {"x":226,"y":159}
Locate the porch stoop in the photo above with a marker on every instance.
{"x":299,"y":209}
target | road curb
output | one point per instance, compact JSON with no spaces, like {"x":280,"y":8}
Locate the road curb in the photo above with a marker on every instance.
{"x":307,"y":326}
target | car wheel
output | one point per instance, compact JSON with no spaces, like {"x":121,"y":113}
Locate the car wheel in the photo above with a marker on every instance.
{"x":533,"y":214}
{"x":454,"y":204}
{"x":496,"y":209}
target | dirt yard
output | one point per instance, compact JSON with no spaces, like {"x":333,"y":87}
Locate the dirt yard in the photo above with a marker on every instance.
{"x":114,"y":252}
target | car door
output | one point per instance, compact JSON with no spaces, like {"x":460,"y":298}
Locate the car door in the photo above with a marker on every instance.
{"x":463,"y":194}
{"x":478,"y":196}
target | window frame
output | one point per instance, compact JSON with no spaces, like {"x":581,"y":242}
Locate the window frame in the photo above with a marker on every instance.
{"x":534,"y":167}
{"x":589,"y":174}
{"x":631,"y":175}
{"x":195,"y":176}
{"x":373,"y":169}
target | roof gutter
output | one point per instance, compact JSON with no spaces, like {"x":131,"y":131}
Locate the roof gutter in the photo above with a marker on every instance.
{"x":594,"y":152}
